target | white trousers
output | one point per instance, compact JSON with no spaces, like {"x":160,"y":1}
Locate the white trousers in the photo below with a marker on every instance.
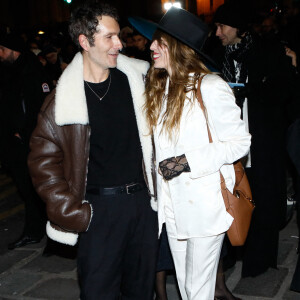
{"x":196,"y":259}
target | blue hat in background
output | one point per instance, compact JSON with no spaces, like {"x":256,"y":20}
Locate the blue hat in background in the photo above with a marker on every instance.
{"x":145,"y":27}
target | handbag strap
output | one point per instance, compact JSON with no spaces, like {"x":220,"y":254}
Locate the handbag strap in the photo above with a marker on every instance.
{"x":200,"y":100}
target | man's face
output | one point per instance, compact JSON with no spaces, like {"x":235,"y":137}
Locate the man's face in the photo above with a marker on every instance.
{"x":139,"y":42}
{"x":227,"y":34}
{"x":107,"y":44}
{"x":7,"y":55}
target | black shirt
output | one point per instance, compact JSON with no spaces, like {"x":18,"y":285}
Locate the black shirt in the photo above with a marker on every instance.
{"x":115,"y":148}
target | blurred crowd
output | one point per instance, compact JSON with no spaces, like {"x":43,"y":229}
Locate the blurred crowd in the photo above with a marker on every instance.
{"x":56,"y":50}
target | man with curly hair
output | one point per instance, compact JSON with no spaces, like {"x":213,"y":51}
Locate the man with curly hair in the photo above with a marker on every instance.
{"x":86,"y":159}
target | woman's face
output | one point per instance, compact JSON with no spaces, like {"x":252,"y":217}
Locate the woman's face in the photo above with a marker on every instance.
{"x":160,"y":55}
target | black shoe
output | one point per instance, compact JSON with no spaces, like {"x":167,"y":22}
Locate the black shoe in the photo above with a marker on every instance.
{"x":24,"y":240}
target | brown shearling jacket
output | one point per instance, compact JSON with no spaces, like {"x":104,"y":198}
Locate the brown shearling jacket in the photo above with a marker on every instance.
{"x":58,"y":169}
{"x":60,"y":143}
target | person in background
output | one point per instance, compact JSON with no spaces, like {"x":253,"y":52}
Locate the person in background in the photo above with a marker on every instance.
{"x":124,"y":34}
{"x":262,"y":69}
{"x":270,"y":28}
{"x":23,"y":93}
{"x":142,"y":46}
{"x":187,"y":165}
{"x":130,"y":50}
{"x":293,"y":148}
{"x":139,"y":41}
{"x":130,"y":41}
{"x":54,"y":63}
{"x":34,"y":46}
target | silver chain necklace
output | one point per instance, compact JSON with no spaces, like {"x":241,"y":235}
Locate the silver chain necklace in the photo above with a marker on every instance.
{"x":100,"y":98}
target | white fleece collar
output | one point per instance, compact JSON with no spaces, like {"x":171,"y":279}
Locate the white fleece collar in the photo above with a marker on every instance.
{"x":70,"y":100}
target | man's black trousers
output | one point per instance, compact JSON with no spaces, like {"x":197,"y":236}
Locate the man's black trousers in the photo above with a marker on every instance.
{"x":117,"y":255}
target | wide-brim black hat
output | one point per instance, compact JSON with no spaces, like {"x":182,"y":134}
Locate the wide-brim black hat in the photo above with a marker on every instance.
{"x":183,"y":26}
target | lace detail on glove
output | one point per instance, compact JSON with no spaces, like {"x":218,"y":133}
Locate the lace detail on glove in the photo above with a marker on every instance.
{"x":173,"y":167}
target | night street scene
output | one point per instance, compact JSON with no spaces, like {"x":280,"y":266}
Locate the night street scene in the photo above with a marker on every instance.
{"x":118,"y":151}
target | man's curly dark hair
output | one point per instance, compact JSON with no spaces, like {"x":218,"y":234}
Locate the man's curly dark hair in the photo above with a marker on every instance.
{"x":84,"y":20}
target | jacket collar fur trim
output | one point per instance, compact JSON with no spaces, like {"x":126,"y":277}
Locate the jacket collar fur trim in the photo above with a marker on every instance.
{"x":70,"y":100}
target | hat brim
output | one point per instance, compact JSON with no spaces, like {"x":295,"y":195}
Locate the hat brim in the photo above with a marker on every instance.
{"x":147,"y":29}
{"x":209,"y":62}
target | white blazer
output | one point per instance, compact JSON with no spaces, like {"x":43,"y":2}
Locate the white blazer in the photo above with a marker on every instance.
{"x":196,"y":196}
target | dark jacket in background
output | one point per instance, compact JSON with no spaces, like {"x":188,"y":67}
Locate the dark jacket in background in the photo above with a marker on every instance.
{"x":24,"y":88}
{"x":23,"y":92}
{"x":270,"y":82}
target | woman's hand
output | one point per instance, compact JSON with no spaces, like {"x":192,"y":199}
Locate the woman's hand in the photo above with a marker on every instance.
{"x":173,"y":167}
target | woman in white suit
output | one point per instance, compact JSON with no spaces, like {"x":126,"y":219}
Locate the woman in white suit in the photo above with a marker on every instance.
{"x":188,"y":179}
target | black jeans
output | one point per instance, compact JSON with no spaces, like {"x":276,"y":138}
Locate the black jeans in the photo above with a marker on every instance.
{"x":117,"y":255}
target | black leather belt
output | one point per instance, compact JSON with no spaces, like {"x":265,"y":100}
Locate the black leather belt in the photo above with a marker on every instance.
{"x":130,"y":188}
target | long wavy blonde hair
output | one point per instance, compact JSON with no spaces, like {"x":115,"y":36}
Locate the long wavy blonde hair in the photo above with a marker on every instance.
{"x":183,"y":60}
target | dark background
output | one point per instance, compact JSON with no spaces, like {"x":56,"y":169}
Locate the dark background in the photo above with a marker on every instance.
{"x":25,"y":14}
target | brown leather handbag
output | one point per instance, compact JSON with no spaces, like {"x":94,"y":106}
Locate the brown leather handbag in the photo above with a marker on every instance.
{"x":239,"y":204}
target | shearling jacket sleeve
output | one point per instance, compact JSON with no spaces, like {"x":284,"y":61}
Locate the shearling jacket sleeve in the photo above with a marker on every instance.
{"x":51,"y":164}
{"x":231,"y":140}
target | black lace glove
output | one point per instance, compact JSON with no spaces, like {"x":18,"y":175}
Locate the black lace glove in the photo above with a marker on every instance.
{"x":174,"y":166}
